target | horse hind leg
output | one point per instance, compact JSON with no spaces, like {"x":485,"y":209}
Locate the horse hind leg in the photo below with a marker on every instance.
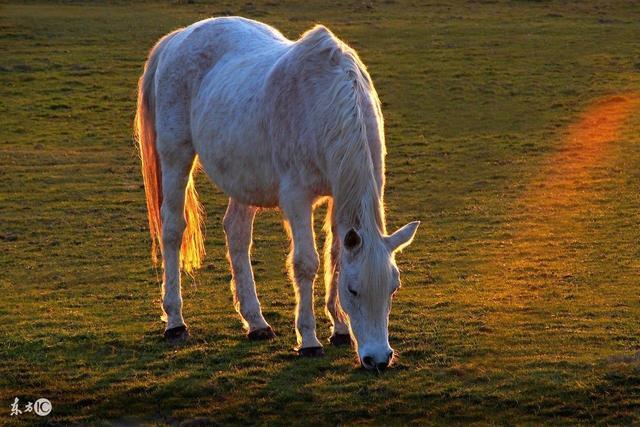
{"x":176,"y":169}
{"x":238,"y":228}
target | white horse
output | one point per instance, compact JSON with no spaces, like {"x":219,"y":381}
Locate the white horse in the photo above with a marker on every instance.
{"x":273,"y":123}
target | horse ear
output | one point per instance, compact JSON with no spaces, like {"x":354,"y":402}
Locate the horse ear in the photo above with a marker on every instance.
{"x":352,"y":240}
{"x":403,"y":237}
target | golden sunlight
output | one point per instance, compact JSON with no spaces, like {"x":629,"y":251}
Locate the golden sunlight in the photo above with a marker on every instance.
{"x":549,"y":218}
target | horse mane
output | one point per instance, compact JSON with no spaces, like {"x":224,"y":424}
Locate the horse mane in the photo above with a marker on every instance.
{"x":349,"y":96}
{"x":347,"y":101}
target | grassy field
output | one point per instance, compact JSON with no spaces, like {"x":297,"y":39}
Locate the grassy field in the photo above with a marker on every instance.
{"x":513,"y":130}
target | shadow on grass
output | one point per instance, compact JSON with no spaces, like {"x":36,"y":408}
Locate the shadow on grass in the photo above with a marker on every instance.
{"x":154,"y":380}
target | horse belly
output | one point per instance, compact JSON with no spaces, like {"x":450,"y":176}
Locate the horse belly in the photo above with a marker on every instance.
{"x":243,"y":170}
{"x":228,"y":135}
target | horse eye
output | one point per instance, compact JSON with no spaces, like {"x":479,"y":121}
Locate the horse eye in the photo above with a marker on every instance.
{"x":352,"y":292}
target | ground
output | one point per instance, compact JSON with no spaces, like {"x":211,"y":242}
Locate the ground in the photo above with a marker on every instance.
{"x":513,"y":132}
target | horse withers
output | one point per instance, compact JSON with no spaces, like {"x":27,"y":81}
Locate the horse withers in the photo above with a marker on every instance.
{"x":273,"y":123}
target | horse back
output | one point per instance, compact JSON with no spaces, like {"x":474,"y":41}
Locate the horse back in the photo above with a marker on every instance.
{"x":194,"y":51}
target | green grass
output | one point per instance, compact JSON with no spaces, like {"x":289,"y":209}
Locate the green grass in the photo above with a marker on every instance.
{"x":508,"y":313}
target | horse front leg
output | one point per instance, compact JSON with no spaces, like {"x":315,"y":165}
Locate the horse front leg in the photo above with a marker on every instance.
{"x":238,"y":228}
{"x":303,"y":266}
{"x":339,"y":329}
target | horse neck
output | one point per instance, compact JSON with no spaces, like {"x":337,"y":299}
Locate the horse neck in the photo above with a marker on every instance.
{"x":367,"y":221}
{"x":357,"y":182}
{"x":351,"y":137}
{"x":358,"y":200}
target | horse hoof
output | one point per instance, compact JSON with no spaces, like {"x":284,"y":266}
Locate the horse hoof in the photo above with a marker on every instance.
{"x":179,"y":333}
{"x":261,"y":334}
{"x":311,"y":352}
{"x":340,"y":339}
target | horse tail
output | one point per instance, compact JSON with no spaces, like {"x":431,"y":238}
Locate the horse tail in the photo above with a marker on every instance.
{"x":145,"y":136}
{"x":192,"y":250}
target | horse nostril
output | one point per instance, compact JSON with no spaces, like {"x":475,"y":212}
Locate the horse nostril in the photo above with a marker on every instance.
{"x":368,"y":362}
{"x":382,"y":365}
{"x":385,"y":364}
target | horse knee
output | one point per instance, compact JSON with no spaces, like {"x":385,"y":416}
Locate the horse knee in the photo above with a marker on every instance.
{"x":305,"y":265}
